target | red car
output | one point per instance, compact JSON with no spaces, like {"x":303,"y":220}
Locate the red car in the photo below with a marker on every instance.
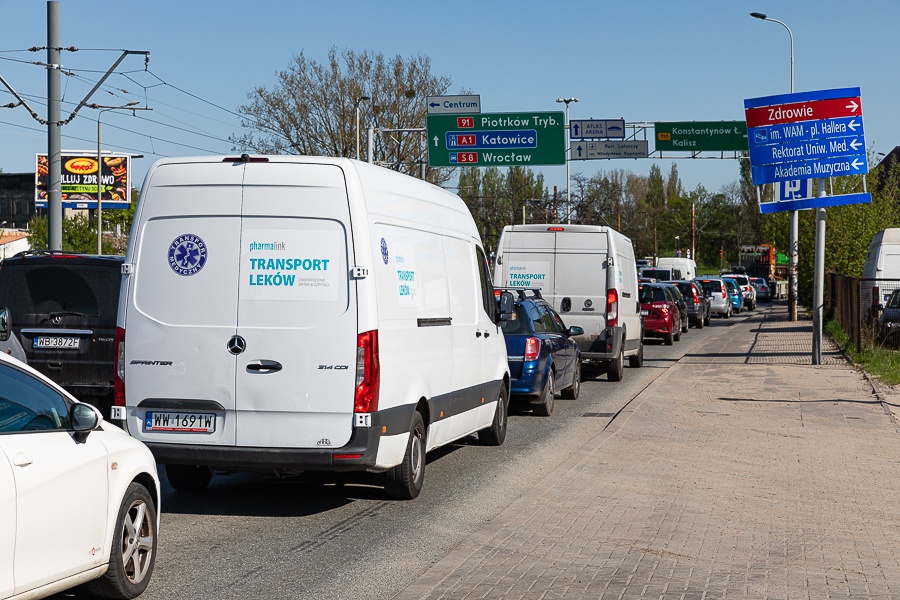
{"x":660,"y":312}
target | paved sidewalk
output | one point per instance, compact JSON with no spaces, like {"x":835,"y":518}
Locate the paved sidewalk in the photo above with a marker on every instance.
{"x":742,"y":472}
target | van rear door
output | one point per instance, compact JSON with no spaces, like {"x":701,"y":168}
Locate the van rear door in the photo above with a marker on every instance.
{"x":581,"y":277}
{"x":527,"y":260}
{"x":295,"y":380}
{"x":184,"y":302}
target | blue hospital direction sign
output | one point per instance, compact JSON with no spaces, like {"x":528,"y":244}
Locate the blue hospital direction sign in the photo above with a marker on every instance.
{"x":811,"y":135}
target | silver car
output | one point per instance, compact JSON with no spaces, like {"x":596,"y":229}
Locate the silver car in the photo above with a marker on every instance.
{"x":747,"y":290}
{"x":714,"y":289}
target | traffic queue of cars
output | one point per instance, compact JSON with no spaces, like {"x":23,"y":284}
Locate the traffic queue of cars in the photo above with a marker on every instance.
{"x":347,"y":307}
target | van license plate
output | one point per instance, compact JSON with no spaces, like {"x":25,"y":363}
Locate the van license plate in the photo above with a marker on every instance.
{"x":67,"y":343}
{"x":175,"y":421}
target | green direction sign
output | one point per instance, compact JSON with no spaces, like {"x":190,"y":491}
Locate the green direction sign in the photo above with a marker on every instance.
{"x":496,"y":139}
{"x":700,"y":136}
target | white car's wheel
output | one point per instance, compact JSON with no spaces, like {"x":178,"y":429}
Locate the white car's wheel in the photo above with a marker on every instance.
{"x":133,"y":552}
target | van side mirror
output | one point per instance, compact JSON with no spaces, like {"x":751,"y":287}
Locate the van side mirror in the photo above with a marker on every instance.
{"x":4,"y":324}
{"x":507,"y":306}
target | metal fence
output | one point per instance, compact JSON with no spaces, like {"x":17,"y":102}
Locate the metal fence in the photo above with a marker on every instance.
{"x":855,"y":304}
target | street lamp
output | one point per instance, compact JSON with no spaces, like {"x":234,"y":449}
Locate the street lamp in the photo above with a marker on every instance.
{"x":358,"y":100}
{"x":568,"y":101}
{"x":795,"y":220}
{"x":677,"y":245}
{"x":100,"y":172}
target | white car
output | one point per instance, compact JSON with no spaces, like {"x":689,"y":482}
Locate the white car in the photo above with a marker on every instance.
{"x":79,"y":498}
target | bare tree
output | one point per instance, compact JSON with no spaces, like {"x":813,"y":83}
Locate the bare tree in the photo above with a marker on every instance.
{"x":311,"y":109}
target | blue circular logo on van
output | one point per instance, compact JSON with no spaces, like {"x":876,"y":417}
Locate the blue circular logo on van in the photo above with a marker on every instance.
{"x":384,"y":251}
{"x":187,"y":254}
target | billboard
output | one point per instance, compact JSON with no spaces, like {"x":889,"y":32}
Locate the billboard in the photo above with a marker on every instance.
{"x":79,"y":180}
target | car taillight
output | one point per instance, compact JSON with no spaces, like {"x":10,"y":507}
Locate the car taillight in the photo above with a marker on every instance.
{"x":723,"y":291}
{"x":368,"y":373}
{"x":612,"y":308}
{"x":696,"y":295}
{"x":119,"y":383}
{"x":532,"y":348}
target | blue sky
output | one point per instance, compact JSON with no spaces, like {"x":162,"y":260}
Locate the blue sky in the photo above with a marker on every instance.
{"x":643,"y":61}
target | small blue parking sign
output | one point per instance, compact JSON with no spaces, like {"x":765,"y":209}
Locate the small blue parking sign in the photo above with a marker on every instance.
{"x":795,"y":189}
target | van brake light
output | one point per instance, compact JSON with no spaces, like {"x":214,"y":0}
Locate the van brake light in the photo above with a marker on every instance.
{"x":612,"y":308}
{"x":368,"y":373}
{"x":119,"y":382}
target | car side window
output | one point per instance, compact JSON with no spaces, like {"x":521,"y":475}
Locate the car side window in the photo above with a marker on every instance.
{"x":547,"y":318}
{"x":560,"y":326}
{"x":537,"y":320}
{"x":27,"y":404}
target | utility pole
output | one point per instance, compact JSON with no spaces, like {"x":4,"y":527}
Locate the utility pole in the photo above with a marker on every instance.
{"x":54,"y":135}
{"x":54,"y":120}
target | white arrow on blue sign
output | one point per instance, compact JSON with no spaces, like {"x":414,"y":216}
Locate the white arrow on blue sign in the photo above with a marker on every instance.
{"x":818,"y":168}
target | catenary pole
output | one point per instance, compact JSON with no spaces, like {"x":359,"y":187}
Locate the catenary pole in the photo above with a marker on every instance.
{"x":54,"y":135}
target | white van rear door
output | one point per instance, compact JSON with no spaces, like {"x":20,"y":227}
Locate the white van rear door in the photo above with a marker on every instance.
{"x":296,"y":311}
{"x":183,"y":310}
{"x":527,"y":261}
{"x":581,"y":279}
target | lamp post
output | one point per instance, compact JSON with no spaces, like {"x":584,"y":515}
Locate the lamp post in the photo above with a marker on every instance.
{"x":677,"y":245}
{"x":795,"y":221}
{"x":568,"y":101}
{"x":356,"y":135}
{"x":103,"y":109}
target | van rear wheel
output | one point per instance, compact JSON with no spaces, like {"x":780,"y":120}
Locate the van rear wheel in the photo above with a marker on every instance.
{"x":404,"y":482}
{"x":496,"y":433}
{"x":188,"y":478}
{"x":616,"y":369}
{"x":636,"y":361}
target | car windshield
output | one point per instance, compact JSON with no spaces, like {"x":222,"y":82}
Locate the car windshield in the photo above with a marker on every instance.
{"x":894,"y":300}
{"x":652,"y":294}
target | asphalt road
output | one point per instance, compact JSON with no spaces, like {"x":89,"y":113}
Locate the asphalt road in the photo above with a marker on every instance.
{"x":327,"y":536}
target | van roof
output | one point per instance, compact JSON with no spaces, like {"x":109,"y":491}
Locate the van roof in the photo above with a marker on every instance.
{"x":886,"y":236}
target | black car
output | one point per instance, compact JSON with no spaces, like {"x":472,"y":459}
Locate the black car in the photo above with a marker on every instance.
{"x":889,"y":321}
{"x":63,"y":312}
{"x":698,"y":306}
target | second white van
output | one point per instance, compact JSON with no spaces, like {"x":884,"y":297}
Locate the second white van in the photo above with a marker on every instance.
{"x":588,"y":274}
{"x":283,"y":314}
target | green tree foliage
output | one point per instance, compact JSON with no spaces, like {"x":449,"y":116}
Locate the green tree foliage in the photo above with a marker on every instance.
{"x":311,"y":109}
{"x":848,"y":229}
{"x":79,"y":234}
{"x":498,"y":198}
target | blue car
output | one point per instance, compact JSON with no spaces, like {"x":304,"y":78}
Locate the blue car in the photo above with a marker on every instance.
{"x":543,"y":359}
{"x":736,"y":295}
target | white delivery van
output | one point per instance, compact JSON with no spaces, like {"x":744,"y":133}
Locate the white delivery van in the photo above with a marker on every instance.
{"x":284,"y":314}
{"x":882,"y":262}
{"x":588,"y":274}
{"x":687,"y":266}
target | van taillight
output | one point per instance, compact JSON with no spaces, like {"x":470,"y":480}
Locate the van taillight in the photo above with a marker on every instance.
{"x":612,"y":308}
{"x":368,"y":373}
{"x":119,"y":382}
{"x":532,"y":348}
